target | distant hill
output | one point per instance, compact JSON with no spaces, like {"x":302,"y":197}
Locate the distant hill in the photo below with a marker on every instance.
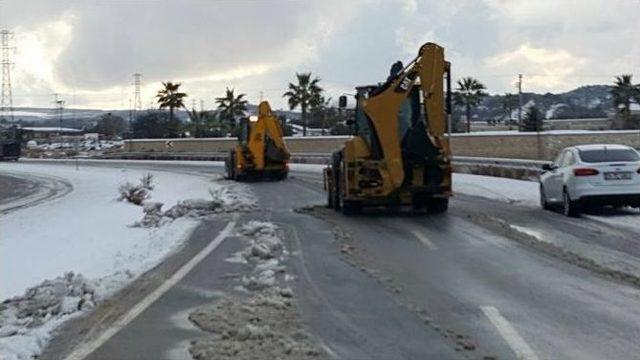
{"x":592,"y":101}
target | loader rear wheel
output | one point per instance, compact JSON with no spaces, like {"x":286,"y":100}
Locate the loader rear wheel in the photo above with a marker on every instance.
{"x":350,"y":208}
{"x":438,"y":206}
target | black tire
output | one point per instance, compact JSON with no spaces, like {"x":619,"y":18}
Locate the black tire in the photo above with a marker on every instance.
{"x":350,"y":208}
{"x":570,"y":207}
{"x":330,"y":198}
{"x":543,"y":199}
{"x":230,"y":166}
{"x":438,"y":205}
{"x":336,"y":163}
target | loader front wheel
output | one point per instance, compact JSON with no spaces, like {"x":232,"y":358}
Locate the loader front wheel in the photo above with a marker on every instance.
{"x":230,"y":166}
{"x":330,"y":199}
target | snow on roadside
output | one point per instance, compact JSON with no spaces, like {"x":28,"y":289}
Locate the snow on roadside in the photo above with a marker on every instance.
{"x":527,"y":193}
{"x":86,"y":232}
{"x":517,"y":192}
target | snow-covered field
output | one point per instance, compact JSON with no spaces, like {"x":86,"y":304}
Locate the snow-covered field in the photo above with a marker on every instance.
{"x":86,"y":232}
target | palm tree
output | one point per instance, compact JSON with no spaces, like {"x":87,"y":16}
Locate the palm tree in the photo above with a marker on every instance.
{"x":306,"y":94}
{"x":170,"y":97}
{"x":623,"y":93}
{"x":469,"y":94}
{"x":231,"y":106}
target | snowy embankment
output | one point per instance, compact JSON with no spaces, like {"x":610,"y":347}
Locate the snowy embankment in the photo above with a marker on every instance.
{"x":85,"y":245}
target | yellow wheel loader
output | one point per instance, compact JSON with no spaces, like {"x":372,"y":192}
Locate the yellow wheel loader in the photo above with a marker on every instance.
{"x":261,"y":151}
{"x":399,"y":155}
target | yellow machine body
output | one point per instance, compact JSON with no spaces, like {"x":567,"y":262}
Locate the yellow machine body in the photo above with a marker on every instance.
{"x":261,"y":150}
{"x":399,"y":154}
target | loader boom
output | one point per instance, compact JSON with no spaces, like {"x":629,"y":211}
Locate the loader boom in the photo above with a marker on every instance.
{"x":383,"y":108}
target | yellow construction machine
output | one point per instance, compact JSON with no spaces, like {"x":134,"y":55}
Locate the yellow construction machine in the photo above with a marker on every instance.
{"x":261,"y":151}
{"x":399,"y":155}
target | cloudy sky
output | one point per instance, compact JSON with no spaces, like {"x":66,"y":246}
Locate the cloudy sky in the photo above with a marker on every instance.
{"x":88,"y":50}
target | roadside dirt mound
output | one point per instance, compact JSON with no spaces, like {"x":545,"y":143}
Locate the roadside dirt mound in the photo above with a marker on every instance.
{"x":265,"y":325}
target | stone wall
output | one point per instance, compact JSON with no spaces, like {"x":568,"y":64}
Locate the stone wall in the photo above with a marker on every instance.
{"x":543,"y":146}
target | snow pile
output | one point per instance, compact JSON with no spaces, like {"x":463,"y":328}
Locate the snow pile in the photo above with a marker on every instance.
{"x":153,"y":216}
{"x":264,"y":326}
{"x":234,"y":198}
{"x":26,"y":321}
{"x":265,"y":252}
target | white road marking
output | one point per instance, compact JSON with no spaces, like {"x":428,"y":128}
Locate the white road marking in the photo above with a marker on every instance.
{"x":85,"y":349}
{"x":424,"y":240}
{"x":517,"y":344}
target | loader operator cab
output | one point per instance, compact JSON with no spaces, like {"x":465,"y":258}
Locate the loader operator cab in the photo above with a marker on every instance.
{"x":410,"y":117}
{"x":243,"y":134}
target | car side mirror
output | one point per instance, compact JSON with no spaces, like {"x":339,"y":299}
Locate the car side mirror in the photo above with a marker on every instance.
{"x":548,"y":167}
{"x":342,"y":102}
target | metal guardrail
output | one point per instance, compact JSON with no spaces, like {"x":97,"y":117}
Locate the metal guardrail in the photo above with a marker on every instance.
{"x":526,"y":163}
{"x":510,"y":168}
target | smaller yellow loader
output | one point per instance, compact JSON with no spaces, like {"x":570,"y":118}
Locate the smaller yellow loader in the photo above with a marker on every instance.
{"x":261,"y":151}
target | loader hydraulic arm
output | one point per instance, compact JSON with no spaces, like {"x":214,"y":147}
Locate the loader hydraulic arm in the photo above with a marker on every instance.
{"x":383,"y":107}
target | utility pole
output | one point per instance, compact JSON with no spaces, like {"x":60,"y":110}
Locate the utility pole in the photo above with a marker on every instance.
{"x":519,"y":102}
{"x":6,"y":100}
{"x":58,"y":104}
{"x":137,"y":101}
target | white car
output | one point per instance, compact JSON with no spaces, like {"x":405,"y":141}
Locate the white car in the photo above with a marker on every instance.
{"x":591,"y":175}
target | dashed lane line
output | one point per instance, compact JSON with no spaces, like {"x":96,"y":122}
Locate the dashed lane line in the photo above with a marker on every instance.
{"x":509,"y":333}
{"x":424,"y":240}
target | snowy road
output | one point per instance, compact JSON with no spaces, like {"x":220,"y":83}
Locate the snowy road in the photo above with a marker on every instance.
{"x":20,"y":190}
{"x":494,"y":277}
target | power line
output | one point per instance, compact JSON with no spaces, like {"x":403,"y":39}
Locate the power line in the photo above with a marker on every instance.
{"x":6,"y":99}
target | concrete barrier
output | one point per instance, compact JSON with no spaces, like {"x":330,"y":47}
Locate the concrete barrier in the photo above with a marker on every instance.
{"x":533,"y":146}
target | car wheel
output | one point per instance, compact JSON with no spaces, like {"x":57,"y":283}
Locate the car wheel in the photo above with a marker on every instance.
{"x":543,"y":199}
{"x":570,"y":207}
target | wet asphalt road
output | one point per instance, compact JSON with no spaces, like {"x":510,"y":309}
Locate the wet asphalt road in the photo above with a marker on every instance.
{"x":413,"y":287}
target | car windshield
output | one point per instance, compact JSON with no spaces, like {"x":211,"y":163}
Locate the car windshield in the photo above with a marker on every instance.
{"x":609,"y":155}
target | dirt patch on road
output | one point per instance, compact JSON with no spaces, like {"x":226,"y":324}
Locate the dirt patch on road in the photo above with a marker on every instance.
{"x":266,"y":325}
